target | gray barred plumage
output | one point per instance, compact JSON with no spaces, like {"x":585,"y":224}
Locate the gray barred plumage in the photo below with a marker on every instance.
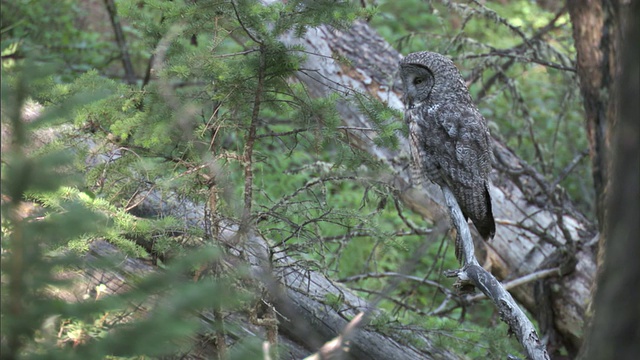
{"x":450,"y":141}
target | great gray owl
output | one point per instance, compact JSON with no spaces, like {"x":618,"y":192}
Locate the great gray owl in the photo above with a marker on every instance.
{"x":449,"y":137}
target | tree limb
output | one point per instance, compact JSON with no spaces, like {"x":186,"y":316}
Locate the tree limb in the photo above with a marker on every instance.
{"x":471,"y":271}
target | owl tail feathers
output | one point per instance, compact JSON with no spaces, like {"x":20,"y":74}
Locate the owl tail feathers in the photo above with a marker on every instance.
{"x":486,"y":225}
{"x":477,"y":206}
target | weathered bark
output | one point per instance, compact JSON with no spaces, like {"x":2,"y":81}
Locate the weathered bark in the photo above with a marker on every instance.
{"x":534,"y":222}
{"x":595,"y":33}
{"x":598,"y":32}
{"x":614,"y":332}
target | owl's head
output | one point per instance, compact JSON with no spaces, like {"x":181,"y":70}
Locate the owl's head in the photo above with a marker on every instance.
{"x":421,"y":72}
{"x":417,"y":83}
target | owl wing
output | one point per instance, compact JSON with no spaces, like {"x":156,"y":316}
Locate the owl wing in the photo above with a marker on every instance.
{"x":461,"y":148}
{"x":464,"y":145}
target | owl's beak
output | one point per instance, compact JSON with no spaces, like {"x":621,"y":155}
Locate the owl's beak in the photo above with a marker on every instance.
{"x":408,"y":102}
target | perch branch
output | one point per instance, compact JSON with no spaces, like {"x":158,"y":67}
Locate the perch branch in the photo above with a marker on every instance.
{"x":465,"y":247}
{"x":472,"y":272}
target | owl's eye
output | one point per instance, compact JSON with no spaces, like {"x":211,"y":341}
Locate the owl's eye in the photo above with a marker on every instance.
{"x":417,"y":81}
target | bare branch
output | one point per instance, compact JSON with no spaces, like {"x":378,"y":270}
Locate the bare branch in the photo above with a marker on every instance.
{"x":284,"y":133}
{"x":395,"y":274}
{"x":521,"y":58}
{"x":521,"y":281}
{"x":464,"y":245}
{"x":473,"y":273}
{"x":567,"y":170}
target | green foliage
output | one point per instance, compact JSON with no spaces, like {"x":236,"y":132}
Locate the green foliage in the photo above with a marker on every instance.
{"x":37,"y":325}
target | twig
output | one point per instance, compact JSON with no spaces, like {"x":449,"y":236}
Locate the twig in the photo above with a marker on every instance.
{"x":355,"y":128}
{"x":521,"y":281}
{"x":244,"y":52}
{"x":285,"y":200}
{"x":284,"y":133}
{"x":521,"y":58}
{"x":489,"y":83}
{"x":397,"y":302}
{"x":249,"y":33}
{"x":567,"y":170}
{"x":395,"y":274}
{"x":491,"y":14}
{"x":409,"y":223}
{"x":355,"y":234}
